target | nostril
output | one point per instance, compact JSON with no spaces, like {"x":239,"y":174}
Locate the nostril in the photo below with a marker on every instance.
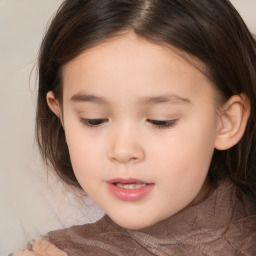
{"x":123,"y":158}
{"x":126,"y":156}
{"x":124,"y":148}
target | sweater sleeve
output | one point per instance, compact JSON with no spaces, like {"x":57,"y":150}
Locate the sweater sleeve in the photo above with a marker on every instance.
{"x":40,"y":247}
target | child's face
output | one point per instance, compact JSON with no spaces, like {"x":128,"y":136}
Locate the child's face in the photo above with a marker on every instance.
{"x":140,"y":124}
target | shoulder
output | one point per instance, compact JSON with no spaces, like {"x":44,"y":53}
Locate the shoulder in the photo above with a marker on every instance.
{"x":103,"y":237}
{"x":40,"y":247}
{"x":242,"y":229}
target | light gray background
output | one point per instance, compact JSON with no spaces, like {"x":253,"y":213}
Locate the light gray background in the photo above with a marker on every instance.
{"x":30,"y":202}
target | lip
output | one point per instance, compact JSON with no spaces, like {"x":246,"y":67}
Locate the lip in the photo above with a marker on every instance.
{"x":126,"y":194}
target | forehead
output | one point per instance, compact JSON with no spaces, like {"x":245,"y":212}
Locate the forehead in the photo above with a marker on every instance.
{"x":129,"y":61}
{"x":128,"y":43}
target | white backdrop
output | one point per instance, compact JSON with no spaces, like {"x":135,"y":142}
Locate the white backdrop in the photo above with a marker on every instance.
{"x":31,"y":204}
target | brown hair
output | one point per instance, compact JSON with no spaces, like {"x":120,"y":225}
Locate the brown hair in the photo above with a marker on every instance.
{"x":210,"y":30}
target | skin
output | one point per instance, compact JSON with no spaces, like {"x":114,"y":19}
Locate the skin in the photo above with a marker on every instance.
{"x":133,"y":83}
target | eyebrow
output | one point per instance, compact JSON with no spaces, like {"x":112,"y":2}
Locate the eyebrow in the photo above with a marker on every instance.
{"x":80,"y":97}
{"x":166,"y":98}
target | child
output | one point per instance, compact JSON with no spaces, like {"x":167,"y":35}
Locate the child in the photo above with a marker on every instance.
{"x":150,"y":107}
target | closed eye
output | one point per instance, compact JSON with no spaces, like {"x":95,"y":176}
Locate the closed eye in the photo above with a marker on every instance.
{"x":163,"y":124}
{"x":93,"y":122}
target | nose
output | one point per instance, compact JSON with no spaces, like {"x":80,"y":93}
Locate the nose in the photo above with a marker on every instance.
{"x":126,"y":148}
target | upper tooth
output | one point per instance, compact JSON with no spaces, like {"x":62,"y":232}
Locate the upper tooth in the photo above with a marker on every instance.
{"x":130,"y":186}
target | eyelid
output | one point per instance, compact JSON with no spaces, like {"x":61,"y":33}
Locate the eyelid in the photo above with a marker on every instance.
{"x":159,"y":124}
{"x":163,"y":124}
{"x":93,"y":122}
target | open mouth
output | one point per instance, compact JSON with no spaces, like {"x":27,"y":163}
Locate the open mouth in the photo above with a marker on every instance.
{"x":130,"y":186}
{"x":129,"y":189}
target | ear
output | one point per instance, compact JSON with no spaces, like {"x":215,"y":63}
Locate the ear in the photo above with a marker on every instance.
{"x":53,"y":103}
{"x":233,"y":119}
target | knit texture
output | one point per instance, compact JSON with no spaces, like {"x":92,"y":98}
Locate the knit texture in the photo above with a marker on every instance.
{"x":220,"y":225}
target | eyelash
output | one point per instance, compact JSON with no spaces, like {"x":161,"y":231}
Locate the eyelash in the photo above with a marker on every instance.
{"x":160,"y":124}
{"x":163,"y":124}
{"x":93,"y":123}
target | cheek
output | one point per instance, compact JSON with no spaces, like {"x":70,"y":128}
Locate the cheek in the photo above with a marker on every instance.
{"x":184,"y":169}
{"x":186,"y":154}
{"x":84,"y":150}
{"x":87,"y":168}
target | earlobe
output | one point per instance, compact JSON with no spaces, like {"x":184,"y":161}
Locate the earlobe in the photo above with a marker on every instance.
{"x":53,"y":103}
{"x":232,"y":122}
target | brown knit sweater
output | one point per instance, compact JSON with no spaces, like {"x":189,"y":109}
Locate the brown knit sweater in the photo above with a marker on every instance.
{"x":220,"y":225}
